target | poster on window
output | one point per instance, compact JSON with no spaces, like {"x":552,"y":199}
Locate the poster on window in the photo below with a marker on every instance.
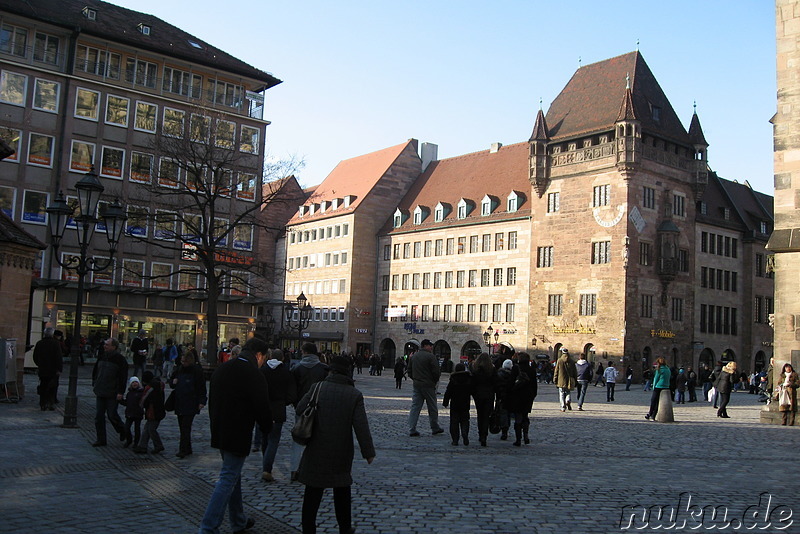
{"x":40,"y":150}
{"x":141,"y":168}
{"x":106,"y":276}
{"x":136,"y":225}
{"x":7,"y":198}
{"x":13,"y":139}
{"x":243,"y":237}
{"x":112,"y":162}
{"x":34,"y":206}
{"x":132,"y":273}
{"x":160,"y":275}
{"x":72,"y":202}
{"x":82,"y":156}
{"x":69,"y":260}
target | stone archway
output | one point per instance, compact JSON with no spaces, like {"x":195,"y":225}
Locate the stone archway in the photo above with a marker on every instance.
{"x":387,"y":350}
{"x":728,"y":356}
{"x":760,"y":361}
{"x":707,"y":358}
{"x":441,"y":349}
{"x":471,"y":348}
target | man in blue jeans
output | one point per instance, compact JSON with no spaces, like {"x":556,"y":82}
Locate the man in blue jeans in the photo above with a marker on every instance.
{"x":424,"y":371}
{"x":109,"y":381}
{"x":238,"y":399}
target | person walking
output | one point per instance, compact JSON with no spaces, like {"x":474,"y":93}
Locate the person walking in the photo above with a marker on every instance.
{"x":691,"y":384}
{"x":327,"y":460}
{"x":49,"y":360}
{"x":713,"y":378}
{"x":424,"y":372}
{"x":565,"y":377}
{"x":306,"y":373}
{"x":484,"y":377}
{"x":457,"y":397}
{"x":680,"y":385}
{"x":647,"y":375}
{"x":661,"y":376}
{"x":628,"y":378}
{"x":171,"y":357}
{"x":109,"y":381}
{"x":154,"y":413}
{"x":504,"y":381}
{"x":705,"y":379}
{"x":610,"y":375}
{"x":238,"y":400}
{"x":282,"y":393}
{"x":583,"y":370}
{"x":399,"y":371}
{"x":139,"y":349}
{"x":134,"y":413}
{"x":158,"y":360}
{"x":788,"y":382}
{"x":599,"y":374}
{"x":523,"y":393}
{"x":724,"y":384}
{"x":189,"y":387}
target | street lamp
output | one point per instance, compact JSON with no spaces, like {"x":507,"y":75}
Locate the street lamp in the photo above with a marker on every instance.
{"x":89,"y":189}
{"x":304,"y":311}
{"x":487,"y":336}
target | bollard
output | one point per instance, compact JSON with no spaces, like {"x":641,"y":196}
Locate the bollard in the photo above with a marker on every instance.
{"x":665,"y":414}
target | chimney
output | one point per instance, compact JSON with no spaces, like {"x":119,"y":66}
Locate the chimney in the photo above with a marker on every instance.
{"x":495,"y":147}
{"x":429,"y":153}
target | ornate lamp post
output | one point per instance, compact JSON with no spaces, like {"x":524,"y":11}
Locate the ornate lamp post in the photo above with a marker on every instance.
{"x":299,"y":323}
{"x":487,"y":337}
{"x":89,"y":189}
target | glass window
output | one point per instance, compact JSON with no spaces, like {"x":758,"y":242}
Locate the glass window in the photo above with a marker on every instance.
{"x":141,"y":168}
{"x":182,"y":83}
{"x":13,"y":88}
{"x":484,"y":313}
{"x":649,"y":198}
{"x":438,"y":246}
{"x":246,"y":190}
{"x":8,"y":197}
{"x":112,"y":163}
{"x":98,"y":62}
{"x":13,"y":40}
{"x":225,"y":134}
{"x":145,"y":119}
{"x":511,"y":276}
{"x":588,"y":304}
{"x":173,"y":122}
{"x":226,"y":94}
{"x":160,"y":275}
{"x":497,"y":312}
{"x":544,"y":256}
{"x":553,"y":202}
{"x":470,"y":313}
{"x":136,"y":224}
{"x":498,"y":276}
{"x":169,"y":173}
{"x":248,"y":139}
{"x":600,"y":195}
{"x":199,"y":128}
{"x":45,"y":95}
{"x":510,"y":308}
{"x":451,"y":242}
{"x":601,"y":252}
{"x":117,"y":110}
{"x":512,"y":240}
{"x":82,"y":157}
{"x":45,"y":48}
{"x":87,"y":103}
{"x":243,"y":237}
{"x":40,"y":150}
{"x":13,"y":139}
{"x":141,"y":72}
{"x":34,"y":204}
{"x":554,"y":305}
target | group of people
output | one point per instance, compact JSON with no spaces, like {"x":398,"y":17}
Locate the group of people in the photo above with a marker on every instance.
{"x":503,"y":389}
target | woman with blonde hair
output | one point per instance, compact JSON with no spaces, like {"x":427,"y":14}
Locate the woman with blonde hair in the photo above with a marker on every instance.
{"x":661,"y":378}
{"x":724,"y":385}
{"x":787,"y":394}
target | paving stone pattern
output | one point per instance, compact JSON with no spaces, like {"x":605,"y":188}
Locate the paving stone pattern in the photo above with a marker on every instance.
{"x":580,"y":471}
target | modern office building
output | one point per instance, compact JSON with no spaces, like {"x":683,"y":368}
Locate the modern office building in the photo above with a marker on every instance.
{"x":87,"y":84}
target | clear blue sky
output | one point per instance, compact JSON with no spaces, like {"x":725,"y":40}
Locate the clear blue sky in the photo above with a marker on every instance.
{"x":364,"y":75}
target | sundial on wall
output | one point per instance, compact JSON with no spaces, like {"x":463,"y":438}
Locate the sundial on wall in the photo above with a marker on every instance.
{"x":607,"y":216}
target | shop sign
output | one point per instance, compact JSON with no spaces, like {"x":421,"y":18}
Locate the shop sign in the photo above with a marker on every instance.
{"x":668,"y":334}
{"x":362,"y":331}
{"x":412,"y":328}
{"x":574,"y":329}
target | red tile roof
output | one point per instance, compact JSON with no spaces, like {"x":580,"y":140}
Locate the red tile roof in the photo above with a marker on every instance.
{"x":471,"y":176}
{"x":592,"y":99}
{"x":356,"y":177}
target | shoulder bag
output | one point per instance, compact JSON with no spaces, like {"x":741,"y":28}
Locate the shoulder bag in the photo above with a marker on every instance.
{"x":303,"y":427}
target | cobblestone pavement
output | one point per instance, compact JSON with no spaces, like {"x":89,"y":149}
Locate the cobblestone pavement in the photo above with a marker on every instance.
{"x":578,"y":474}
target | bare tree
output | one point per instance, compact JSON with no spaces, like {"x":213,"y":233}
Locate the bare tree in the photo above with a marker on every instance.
{"x":206,"y":201}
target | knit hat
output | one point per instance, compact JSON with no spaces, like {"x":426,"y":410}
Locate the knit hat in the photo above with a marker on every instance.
{"x":133,"y":379}
{"x":340,"y":364}
{"x":508,"y":364}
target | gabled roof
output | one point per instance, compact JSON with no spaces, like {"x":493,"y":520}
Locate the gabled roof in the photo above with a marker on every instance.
{"x":119,"y":24}
{"x":354,"y":177}
{"x":539,"y":128}
{"x":11,"y":232}
{"x":748,"y":208}
{"x":696,"y":132}
{"x":471,"y":176}
{"x":591,"y":101}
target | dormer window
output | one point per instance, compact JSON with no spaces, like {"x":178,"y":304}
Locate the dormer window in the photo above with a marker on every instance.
{"x":513,"y":202}
{"x":89,"y":13}
{"x":301,"y":210}
{"x":487,"y":206}
{"x":323,"y":206}
{"x":441,"y":211}
{"x":656,"y":113}
{"x":335,"y":203}
{"x":348,"y":199}
{"x":144,"y":28}
{"x":726,"y":214}
{"x":398,"y":218}
{"x":763,"y":227}
{"x":464,"y":208}
{"x":420,"y":214}
{"x":311,"y":209}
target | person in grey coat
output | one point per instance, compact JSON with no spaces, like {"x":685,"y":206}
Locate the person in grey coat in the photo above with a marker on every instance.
{"x":327,"y":460}
{"x":423,"y":369}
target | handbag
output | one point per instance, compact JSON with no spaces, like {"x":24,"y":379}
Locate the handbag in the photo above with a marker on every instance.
{"x":494,"y":421}
{"x":169,"y":404}
{"x":303,"y":427}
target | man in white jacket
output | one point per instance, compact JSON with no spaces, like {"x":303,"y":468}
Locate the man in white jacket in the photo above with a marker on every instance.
{"x":610,"y":375}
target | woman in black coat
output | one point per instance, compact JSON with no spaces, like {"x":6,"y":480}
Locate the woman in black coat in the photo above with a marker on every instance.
{"x":327,"y":460}
{"x":484,"y":377}
{"x":521,"y":397}
{"x":399,"y":371}
{"x":724,"y":384}
{"x":282,"y":392}
{"x":189,"y":385}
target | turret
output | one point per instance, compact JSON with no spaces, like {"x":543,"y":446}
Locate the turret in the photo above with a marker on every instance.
{"x":628,"y":133}
{"x":539,"y":167}
{"x":700,"y":146}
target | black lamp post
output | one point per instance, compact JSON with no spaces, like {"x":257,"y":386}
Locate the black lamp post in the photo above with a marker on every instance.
{"x":487,"y":336}
{"x":300,"y":323}
{"x":89,"y":189}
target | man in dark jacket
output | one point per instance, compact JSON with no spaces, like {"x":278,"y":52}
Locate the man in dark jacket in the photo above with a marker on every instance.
{"x":238,"y":399}
{"x":424,"y":371}
{"x":109,"y":381}
{"x":282,"y":392}
{"x":139,"y":349}
{"x":48,"y":358}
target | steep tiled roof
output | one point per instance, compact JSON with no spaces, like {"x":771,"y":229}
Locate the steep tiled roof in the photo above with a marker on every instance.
{"x":539,"y":128}
{"x":748,"y":208}
{"x":471,"y":176}
{"x":120,"y":25}
{"x":355,"y":177}
{"x":696,"y":132}
{"x":11,"y":232}
{"x":591,"y":101}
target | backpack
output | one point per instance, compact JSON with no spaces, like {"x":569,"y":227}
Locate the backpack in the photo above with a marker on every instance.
{"x":522,"y":381}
